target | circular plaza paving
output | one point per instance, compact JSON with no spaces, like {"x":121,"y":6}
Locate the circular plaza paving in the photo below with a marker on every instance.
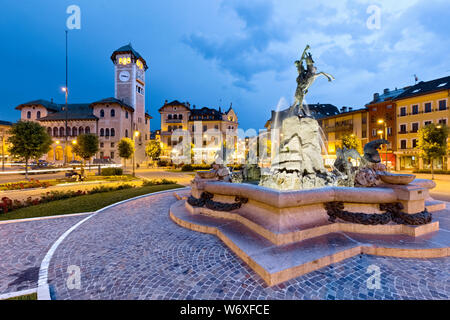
{"x":134,"y":251}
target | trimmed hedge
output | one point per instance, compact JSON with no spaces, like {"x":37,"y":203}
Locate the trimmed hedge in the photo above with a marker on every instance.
{"x":193,"y":167}
{"x":434,"y":171}
{"x":112,"y":172}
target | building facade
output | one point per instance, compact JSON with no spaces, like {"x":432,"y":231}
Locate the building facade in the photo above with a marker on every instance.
{"x":383,"y":123}
{"x":347,"y":122}
{"x":110,"y":119}
{"x":419,"y":105}
{"x":207,"y":130}
{"x":5,"y":126}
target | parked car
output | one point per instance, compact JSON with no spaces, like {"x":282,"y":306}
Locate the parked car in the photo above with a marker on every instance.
{"x":39,"y":164}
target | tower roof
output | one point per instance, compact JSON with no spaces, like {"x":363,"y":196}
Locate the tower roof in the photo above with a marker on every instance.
{"x":129,"y":49}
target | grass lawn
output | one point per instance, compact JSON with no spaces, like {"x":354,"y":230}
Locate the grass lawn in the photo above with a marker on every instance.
{"x":31,"y":296}
{"x":87,"y":203}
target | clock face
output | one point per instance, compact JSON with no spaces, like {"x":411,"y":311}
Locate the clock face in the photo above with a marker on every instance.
{"x":124,"y":76}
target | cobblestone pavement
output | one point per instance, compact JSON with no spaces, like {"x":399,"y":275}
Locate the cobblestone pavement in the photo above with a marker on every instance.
{"x":134,"y":251}
{"x":23,"y":245}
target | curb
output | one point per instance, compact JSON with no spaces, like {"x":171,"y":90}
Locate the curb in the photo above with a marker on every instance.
{"x":43,"y":290}
{"x":44,"y":218}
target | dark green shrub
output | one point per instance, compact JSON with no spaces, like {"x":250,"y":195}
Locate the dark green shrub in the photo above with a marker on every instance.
{"x":187,"y":167}
{"x":112,"y":172}
{"x":154,"y":182}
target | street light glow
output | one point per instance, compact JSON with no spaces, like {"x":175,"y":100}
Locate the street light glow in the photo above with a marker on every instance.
{"x":136,"y":133}
{"x":380,"y":121}
{"x":74,"y":141}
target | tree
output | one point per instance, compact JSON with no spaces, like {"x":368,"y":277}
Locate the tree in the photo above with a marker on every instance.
{"x":153,"y":149}
{"x":28,"y":140}
{"x":126,"y":149}
{"x":86,"y":147}
{"x":432,"y":143}
{"x":351,"y":141}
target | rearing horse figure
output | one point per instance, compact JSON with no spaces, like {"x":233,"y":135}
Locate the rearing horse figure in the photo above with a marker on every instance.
{"x":305,"y":78}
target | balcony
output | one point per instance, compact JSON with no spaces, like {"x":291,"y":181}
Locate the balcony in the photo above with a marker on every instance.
{"x":173,"y":120}
{"x":403,"y":132}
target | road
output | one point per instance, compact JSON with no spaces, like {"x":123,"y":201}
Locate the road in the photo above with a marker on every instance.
{"x":442,"y":190}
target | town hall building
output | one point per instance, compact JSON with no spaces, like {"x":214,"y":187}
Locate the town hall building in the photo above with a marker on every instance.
{"x":111,"y":119}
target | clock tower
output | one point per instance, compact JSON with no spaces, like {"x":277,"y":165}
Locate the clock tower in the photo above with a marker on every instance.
{"x":129,"y":86}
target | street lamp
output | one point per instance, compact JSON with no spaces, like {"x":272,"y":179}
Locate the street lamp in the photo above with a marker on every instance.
{"x":382,"y":122}
{"x":135,"y":135}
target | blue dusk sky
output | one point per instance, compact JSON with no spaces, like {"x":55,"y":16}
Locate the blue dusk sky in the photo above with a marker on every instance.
{"x":213,"y":53}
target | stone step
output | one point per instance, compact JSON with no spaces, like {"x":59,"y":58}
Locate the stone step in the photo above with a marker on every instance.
{"x":434,"y":205}
{"x":279,"y":263}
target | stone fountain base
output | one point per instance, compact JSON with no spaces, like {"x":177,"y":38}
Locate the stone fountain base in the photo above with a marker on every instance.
{"x":282,"y":235}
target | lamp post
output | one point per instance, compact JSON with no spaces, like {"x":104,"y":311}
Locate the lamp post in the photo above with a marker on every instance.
{"x":66,"y":91}
{"x":135,"y":135}
{"x":381,"y":121}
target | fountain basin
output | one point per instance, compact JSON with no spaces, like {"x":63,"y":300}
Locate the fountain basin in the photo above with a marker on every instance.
{"x":281,"y":235}
{"x":206,"y":174}
{"x":397,"y":178}
{"x":284,"y":217}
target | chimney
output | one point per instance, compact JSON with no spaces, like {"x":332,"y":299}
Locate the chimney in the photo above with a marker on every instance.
{"x":386,"y":91}
{"x":344,"y":109}
{"x":165,"y":101}
{"x":350,"y":109}
{"x":376,"y":96}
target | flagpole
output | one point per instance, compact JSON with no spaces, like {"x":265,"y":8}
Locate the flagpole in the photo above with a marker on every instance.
{"x":67,"y":93}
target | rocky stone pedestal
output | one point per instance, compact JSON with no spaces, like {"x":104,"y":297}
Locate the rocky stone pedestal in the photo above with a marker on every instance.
{"x":298,"y":164}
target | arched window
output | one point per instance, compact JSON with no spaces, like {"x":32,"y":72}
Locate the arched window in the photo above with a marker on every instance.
{"x":113,"y":132}
{"x":169,"y":117}
{"x":55,"y":131}
{"x":38,"y":114}
{"x":107,"y":132}
{"x":175,"y":116}
{"x":113,"y":113}
{"x":74,"y":131}
{"x":126,"y":114}
{"x":49,"y":131}
{"x":102,"y":132}
{"x":61,"y":131}
{"x":68,"y":131}
{"x":126,"y":133}
{"x":102,"y":113}
{"x":180,"y":116}
{"x":81,"y":130}
{"x":29,"y":115}
{"x":87,"y":130}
